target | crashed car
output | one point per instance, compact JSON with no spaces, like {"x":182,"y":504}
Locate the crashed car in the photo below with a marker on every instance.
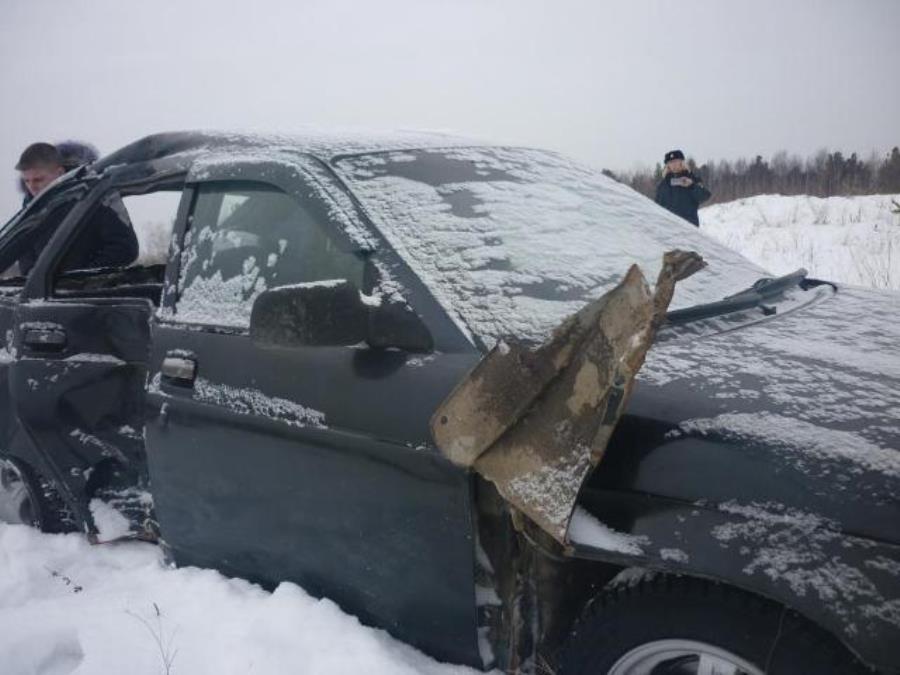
{"x":462,"y":391}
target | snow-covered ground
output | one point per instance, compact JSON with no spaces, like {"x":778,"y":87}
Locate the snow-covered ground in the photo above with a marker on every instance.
{"x":67,"y":607}
{"x":855,"y":240}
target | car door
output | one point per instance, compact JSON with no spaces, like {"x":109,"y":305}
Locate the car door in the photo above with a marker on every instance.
{"x":307,"y":464}
{"x":19,"y":232}
{"x":81,"y":344}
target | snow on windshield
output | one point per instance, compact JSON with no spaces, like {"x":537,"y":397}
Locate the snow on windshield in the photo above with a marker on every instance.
{"x":512,"y":241}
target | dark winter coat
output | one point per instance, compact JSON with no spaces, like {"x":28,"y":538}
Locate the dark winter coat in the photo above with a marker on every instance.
{"x":682,"y":201}
{"x":107,"y":241}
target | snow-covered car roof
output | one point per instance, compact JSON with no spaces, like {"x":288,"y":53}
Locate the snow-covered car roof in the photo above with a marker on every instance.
{"x":509,"y":240}
{"x":320,"y":142}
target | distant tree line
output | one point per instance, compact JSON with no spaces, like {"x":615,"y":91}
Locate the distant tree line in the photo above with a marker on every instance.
{"x":825,"y":174}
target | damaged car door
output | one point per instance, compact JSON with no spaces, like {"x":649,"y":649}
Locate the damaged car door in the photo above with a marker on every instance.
{"x":280,"y":450}
{"x":81,"y":341}
{"x":27,"y":489}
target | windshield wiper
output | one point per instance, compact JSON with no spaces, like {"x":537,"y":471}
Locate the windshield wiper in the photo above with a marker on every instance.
{"x":769,"y":286}
{"x":754,"y":296}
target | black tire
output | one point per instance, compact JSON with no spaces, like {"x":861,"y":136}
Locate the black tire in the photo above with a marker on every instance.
{"x":628,"y":620}
{"x":47,"y":511}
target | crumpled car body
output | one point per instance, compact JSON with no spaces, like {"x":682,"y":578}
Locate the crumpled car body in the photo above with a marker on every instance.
{"x":758,"y":447}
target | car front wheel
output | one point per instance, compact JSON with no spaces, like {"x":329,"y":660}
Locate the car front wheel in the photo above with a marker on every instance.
{"x":667,"y":625}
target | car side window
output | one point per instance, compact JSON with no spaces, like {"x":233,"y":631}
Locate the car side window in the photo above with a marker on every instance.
{"x":152,"y":215}
{"x":106,"y":238}
{"x":244,"y":238}
{"x":120,"y":247}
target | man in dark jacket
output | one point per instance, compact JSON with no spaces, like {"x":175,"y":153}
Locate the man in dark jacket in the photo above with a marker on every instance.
{"x":681,"y":191}
{"x":106,"y":241}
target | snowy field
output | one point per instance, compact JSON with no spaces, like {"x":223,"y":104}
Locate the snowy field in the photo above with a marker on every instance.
{"x":855,"y":240}
{"x":67,"y":607}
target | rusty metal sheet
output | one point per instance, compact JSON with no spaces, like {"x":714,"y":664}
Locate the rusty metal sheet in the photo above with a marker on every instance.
{"x":535,"y":422}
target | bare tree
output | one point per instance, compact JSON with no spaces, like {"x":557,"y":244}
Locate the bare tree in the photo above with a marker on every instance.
{"x":824,"y":174}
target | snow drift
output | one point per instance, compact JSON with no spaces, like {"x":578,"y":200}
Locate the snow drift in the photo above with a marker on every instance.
{"x":854,"y":240}
{"x":67,"y":607}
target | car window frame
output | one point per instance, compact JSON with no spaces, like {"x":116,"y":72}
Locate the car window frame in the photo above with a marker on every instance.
{"x":283,"y":172}
{"x":323,"y":220}
{"x":40,"y":281}
{"x":25,"y":225}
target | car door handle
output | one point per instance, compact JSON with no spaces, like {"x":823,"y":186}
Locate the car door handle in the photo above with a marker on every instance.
{"x":44,"y":339}
{"x":179,"y":370}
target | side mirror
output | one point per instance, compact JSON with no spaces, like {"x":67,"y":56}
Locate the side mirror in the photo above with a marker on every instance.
{"x":394,"y":324}
{"x":327,"y":313}
{"x":332,"y":313}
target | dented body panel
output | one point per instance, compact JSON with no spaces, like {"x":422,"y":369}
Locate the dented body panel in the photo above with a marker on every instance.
{"x":536,"y":422}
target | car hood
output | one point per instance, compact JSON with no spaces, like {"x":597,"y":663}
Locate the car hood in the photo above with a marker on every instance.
{"x":799,"y":410}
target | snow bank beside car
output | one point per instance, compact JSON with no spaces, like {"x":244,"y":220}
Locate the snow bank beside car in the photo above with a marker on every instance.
{"x":855,"y":240}
{"x":69,"y":607}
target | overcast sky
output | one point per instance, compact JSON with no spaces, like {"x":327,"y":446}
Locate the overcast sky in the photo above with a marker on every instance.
{"x":612,"y":83}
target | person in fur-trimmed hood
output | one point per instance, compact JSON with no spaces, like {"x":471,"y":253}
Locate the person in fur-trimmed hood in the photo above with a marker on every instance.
{"x":75,"y":153}
{"x":680,"y":190}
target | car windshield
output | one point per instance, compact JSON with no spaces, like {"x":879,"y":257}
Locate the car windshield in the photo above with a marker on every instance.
{"x":512,"y":241}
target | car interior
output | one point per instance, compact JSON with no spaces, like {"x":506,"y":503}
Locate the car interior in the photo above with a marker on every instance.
{"x":151,"y":213}
{"x":150,"y":209}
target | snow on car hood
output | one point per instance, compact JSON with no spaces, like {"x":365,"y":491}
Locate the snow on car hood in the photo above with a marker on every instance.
{"x":512,"y":241}
{"x":813,"y":393}
{"x":833,"y":363}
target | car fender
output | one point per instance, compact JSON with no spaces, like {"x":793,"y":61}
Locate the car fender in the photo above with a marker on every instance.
{"x":848,"y":585}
